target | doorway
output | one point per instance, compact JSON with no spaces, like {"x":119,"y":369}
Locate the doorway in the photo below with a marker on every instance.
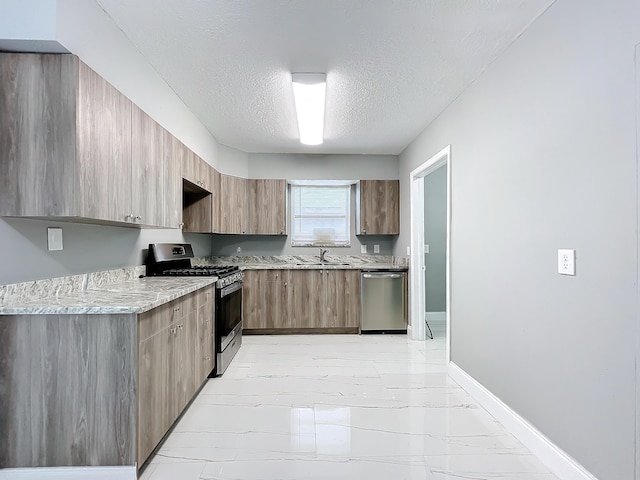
{"x":417,"y":290}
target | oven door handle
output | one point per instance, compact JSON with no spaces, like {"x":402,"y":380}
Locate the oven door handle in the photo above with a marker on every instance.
{"x":234,"y":287}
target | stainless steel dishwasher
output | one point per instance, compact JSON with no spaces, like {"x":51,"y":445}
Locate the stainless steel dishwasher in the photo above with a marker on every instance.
{"x":383,"y":301}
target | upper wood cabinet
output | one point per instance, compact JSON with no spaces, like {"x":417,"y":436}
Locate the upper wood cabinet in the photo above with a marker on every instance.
{"x":378,"y":207}
{"x":266,"y":207}
{"x":250,"y":206}
{"x":232,"y":199}
{"x":73,"y":147}
{"x":147,"y":170}
{"x":174,"y":152}
{"x":197,"y":171}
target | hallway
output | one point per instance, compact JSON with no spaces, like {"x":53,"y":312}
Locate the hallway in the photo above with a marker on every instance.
{"x":340,"y":407}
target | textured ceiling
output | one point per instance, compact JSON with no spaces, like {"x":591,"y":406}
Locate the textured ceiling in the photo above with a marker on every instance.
{"x":392,"y":65}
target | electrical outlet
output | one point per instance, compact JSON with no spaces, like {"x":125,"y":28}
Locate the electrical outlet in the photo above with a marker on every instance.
{"x":54,"y":239}
{"x":363,"y":249}
{"x":408,"y":251}
{"x":566,"y":262}
{"x":376,"y":249}
{"x":426,"y":248}
{"x":239,"y":250}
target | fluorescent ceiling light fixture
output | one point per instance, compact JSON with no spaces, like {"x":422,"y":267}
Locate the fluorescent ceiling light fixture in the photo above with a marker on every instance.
{"x":309,"y":91}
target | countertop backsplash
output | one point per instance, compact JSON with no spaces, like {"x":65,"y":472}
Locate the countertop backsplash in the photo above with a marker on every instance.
{"x":16,"y":293}
{"x":387,"y":260}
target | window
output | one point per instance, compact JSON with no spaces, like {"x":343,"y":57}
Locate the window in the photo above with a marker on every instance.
{"x":320,"y":215}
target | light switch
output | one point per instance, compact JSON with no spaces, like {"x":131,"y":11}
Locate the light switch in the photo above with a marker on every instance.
{"x":54,"y":239}
{"x":408,"y":251}
{"x":426,"y":248}
{"x":363,"y":249}
{"x":566,"y":261}
{"x":376,"y":249}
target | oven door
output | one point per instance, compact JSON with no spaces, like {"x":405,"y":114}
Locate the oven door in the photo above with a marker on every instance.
{"x":228,"y":333}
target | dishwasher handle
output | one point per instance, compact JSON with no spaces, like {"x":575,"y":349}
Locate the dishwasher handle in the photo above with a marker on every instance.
{"x":382,"y":275}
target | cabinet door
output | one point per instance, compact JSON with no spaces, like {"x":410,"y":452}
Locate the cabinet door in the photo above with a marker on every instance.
{"x":215,"y":200}
{"x":378,"y":211}
{"x":204,"y":348}
{"x":196,"y":171}
{"x":190,"y":171}
{"x":103,"y":148}
{"x":232,"y":201}
{"x":147,"y":173}
{"x":342,"y":298}
{"x":252,"y":300}
{"x":305,"y":300}
{"x":174,"y":152}
{"x":37,"y":137}
{"x":264,"y":300}
{"x":196,"y":194}
{"x":185,"y":344}
{"x":154,"y":417}
{"x":266,"y":207}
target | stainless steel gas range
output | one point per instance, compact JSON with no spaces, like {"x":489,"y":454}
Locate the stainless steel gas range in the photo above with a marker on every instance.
{"x":174,"y":259}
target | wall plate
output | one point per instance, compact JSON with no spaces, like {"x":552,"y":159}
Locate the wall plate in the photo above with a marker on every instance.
{"x":54,"y":239}
{"x":566,"y":261}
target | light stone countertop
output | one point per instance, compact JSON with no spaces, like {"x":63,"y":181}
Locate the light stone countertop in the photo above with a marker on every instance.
{"x":311,"y":262}
{"x":321,"y":266}
{"x":133,"y":296}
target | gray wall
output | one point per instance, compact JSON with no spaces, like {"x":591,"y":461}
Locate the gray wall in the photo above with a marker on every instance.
{"x":435,"y":235}
{"x":544,"y":157}
{"x":323,"y":167}
{"x":312,"y":167}
{"x":87,"y":248}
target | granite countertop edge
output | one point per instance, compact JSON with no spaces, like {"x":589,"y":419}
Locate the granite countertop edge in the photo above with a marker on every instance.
{"x":326,"y":266}
{"x":131,"y":297}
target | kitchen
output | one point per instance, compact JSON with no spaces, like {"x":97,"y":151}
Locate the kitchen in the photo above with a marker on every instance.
{"x":86,"y":30}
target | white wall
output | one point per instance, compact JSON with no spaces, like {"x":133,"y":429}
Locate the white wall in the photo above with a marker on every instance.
{"x":28,"y":25}
{"x":544,"y":157}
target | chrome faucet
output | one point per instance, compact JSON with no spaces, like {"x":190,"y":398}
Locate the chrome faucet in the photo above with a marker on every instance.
{"x":322,"y":254}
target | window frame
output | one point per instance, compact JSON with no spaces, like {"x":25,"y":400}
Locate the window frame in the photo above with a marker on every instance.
{"x":347,"y":185}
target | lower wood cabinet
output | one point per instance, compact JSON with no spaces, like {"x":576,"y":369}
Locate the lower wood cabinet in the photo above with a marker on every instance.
{"x":301,"y":300}
{"x":342,"y":298}
{"x":175,"y":356}
{"x":264,"y":299}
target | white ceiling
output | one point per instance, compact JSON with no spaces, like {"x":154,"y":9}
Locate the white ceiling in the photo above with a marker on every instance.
{"x":392,"y":65}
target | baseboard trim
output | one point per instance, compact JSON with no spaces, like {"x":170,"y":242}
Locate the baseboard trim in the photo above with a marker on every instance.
{"x":558,"y":461}
{"x":436,"y":318}
{"x":70,"y":473}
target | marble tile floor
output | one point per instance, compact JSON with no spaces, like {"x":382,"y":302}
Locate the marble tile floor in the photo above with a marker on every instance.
{"x":340,"y":407}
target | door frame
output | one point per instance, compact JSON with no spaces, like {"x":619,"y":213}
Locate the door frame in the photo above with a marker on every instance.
{"x":416,"y":272}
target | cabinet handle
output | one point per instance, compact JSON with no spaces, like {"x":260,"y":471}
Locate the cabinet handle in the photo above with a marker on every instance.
{"x":138,"y":217}
{"x":285,"y":284}
{"x":180,"y":326}
{"x":181,"y":225}
{"x":130,"y":216}
{"x":173,"y":330}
